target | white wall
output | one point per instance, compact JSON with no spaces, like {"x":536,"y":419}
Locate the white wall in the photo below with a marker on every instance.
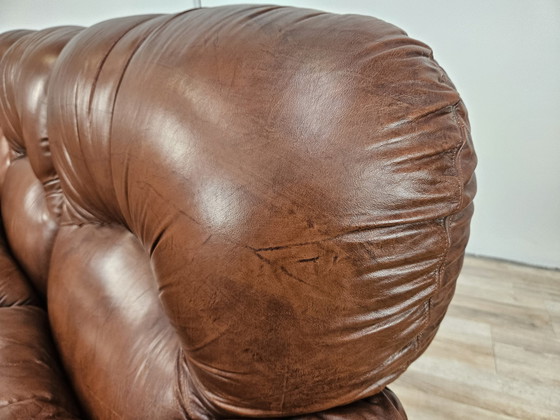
{"x":39,"y":14}
{"x":504,"y":57}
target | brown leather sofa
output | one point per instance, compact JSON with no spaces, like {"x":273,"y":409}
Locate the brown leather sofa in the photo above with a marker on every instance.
{"x":246,"y":211}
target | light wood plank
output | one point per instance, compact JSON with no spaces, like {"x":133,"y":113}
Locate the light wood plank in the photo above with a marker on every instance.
{"x":497,"y":353}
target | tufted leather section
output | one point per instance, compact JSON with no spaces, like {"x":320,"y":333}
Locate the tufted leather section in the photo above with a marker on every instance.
{"x":30,"y":226}
{"x":7,"y":40}
{"x":98,"y":57}
{"x":14,"y":287}
{"x":26,"y":69}
{"x":302,"y":195}
{"x":119,"y":347}
{"x":31,"y":384}
{"x":31,"y":196}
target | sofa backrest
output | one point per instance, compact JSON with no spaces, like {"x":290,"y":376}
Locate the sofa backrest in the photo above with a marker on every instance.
{"x":255,"y":210}
{"x":31,"y":199}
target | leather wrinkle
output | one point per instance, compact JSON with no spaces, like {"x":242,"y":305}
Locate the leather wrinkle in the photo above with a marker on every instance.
{"x":3,"y":102}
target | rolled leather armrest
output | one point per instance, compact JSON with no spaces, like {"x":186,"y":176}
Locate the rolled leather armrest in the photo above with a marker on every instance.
{"x":237,"y":212}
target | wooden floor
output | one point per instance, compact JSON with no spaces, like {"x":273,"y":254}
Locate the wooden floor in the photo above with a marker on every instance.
{"x":497,"y":353}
